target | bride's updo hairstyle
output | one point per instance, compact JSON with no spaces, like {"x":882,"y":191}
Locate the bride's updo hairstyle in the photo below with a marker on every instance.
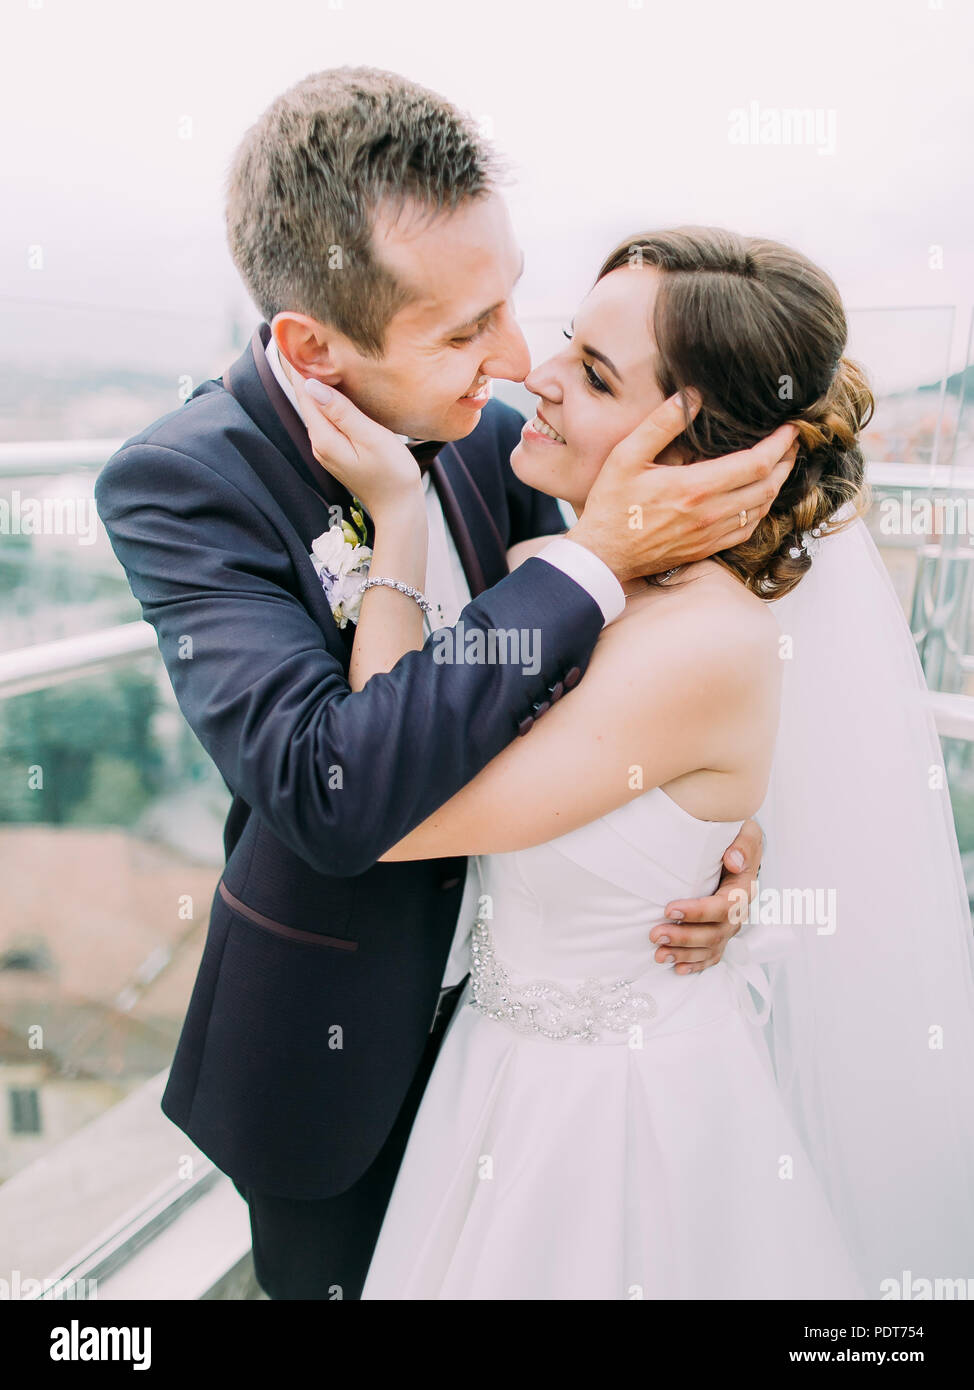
{"x":759,"y":332}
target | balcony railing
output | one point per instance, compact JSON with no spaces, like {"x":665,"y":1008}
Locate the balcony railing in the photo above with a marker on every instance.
{"x":53,"y":457}
{"x":51,"y":663}
{"x":124,"y":1206}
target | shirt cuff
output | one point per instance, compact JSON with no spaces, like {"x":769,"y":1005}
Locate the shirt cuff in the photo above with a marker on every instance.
{"x":589,"y":573}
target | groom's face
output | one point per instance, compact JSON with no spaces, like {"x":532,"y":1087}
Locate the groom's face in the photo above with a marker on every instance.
{"x":456,"y":333}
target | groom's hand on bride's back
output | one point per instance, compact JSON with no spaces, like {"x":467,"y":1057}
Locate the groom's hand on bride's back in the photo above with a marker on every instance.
{"x":697,"y":929}
{"x":643,"y":518}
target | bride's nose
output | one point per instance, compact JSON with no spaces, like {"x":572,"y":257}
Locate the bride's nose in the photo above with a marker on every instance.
{"x":543,"y":381}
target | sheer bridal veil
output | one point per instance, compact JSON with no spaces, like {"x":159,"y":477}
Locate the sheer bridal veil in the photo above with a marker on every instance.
{"x":863,"y":925}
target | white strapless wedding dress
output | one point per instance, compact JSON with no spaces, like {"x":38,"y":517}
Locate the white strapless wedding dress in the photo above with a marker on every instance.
{"x":596,"y":1126}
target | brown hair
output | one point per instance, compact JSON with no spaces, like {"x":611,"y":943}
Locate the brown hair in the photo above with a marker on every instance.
{"x":308,"y":178}
{"x":759,"y":331}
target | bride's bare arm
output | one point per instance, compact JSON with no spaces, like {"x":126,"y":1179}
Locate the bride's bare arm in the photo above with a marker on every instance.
{"x":375,"y":466}
{"x":523,"y":550}
{"x":685,"y":691}
{"x":390,"y":623}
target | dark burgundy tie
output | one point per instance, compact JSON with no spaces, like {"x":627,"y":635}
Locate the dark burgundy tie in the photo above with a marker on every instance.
{"x":425,"y":452}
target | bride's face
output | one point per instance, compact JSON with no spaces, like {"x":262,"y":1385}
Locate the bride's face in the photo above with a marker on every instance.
{"x":597,"y":390}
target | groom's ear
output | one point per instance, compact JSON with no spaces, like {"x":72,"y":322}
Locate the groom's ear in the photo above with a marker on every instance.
{"x":307,"y":345}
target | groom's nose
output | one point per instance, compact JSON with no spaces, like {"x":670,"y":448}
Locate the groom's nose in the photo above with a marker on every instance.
{"x":508,"y":357}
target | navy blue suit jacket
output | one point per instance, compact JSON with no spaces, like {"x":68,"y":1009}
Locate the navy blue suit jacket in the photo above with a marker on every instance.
{"x":321,"y":968}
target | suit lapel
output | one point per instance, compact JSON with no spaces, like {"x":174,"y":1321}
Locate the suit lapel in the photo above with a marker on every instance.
{"x":304,"y":491}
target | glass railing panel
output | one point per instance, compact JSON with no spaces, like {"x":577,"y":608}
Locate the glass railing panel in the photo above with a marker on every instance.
{"x":110,"y":847}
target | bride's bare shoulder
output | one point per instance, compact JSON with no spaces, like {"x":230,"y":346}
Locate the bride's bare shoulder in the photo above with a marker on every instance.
{"x":705,"y":613}
{"x":714,"y":590}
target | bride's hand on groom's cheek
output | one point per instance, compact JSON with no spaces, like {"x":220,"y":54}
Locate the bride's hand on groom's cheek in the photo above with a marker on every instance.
{"x":366,"y":458}
{"x":698,"y":929}
{"x":643,"y":516}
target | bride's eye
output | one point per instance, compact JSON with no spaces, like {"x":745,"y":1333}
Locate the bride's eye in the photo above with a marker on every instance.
{"x":594,"y":380}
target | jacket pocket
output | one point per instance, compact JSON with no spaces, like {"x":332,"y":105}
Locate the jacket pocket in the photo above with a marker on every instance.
{"x":308,"y":938}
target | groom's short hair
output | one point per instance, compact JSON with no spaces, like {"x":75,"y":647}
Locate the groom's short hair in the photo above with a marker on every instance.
{"x":310,"y":175}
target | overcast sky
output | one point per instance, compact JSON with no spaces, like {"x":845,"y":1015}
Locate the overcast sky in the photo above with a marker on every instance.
{"x":617,"y":115}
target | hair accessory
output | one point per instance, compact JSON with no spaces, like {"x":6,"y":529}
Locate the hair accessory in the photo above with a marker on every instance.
{"x":810,"y":546}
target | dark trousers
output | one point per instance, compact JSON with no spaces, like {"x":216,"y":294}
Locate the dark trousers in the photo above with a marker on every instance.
{"x":320,"y":1248}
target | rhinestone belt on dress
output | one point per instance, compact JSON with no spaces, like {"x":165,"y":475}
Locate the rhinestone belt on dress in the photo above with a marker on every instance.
{"x":550,"y":1010}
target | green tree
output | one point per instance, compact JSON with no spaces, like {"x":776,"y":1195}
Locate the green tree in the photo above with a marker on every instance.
{"x":80,"y":736}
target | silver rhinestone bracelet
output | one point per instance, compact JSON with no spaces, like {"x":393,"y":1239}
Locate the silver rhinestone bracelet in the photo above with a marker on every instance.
{"x":407,"y":589}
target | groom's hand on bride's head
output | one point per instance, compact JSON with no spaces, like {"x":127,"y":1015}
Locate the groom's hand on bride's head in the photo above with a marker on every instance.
{"x":643,"y":517}
{"x":698,"y":929}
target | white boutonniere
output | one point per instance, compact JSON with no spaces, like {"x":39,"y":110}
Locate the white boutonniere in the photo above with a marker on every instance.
{"x":341,"y":560}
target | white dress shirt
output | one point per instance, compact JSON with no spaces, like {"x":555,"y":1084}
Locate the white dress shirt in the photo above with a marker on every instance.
{"x":447,"y":590}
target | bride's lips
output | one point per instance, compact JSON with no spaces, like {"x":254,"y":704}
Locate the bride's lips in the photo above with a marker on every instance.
{"x":532,"y":435}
